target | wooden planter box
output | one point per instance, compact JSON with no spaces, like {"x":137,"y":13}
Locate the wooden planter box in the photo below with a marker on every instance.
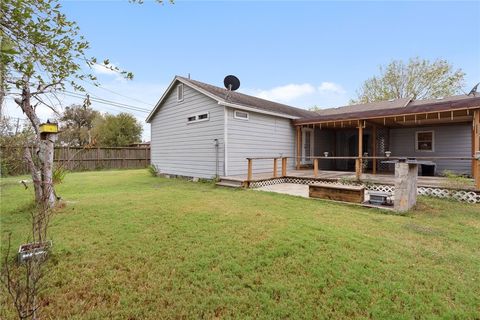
{"x":337,"y":192}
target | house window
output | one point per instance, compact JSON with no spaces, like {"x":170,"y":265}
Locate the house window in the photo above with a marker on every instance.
{"x":424,"y":141}
{"x":180,"y":92}
{"x":240,"y":115}
{"x":204,"y":116}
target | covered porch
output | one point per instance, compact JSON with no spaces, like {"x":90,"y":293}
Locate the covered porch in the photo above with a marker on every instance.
{"x":444,"y":142}
{"x":363,"y":142}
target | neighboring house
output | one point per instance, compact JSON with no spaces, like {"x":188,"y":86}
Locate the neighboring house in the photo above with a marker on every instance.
{"x":200,"y":130}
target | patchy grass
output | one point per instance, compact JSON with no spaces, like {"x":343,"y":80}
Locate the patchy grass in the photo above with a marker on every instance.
{"x":132,"y":246}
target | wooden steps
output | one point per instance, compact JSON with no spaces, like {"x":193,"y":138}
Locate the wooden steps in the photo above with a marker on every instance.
{"x":229,"y":182}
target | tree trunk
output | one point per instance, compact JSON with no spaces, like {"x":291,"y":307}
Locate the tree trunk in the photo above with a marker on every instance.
{"x":36,"y":175}
{"x":42,"y":175}
{"x":46,"y":158}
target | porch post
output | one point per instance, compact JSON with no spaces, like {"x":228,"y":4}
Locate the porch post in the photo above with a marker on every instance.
{"x":299,"y":146}
{"x":358,"y":162}
{"x":476,"y":147}
{"x":475,"y":136}
{"x":249,"y":170}
{"x":274,"y":167}
{"x":374,"y":148}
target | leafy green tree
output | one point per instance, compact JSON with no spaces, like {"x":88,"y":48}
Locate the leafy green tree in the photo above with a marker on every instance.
{"x":417,"y":79}
{"x":76,"y":123}
{"x":117,"y":130}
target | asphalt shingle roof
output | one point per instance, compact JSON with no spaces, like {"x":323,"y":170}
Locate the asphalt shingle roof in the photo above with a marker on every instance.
{"x":250,"y":101}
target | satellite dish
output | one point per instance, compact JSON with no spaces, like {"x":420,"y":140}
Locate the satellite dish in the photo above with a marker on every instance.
{"x":231,"y":83}
{"x":472,"y":92}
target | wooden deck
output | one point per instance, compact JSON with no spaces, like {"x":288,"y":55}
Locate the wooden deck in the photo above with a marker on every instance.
{"x":422,"y":181}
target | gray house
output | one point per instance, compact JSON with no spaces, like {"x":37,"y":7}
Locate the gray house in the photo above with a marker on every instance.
{"x":204,"y":131}
{"x":200,"y":130}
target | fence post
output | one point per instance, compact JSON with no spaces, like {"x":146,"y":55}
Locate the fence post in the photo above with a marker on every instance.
{"x":274,"y":167}
{"x":146,"y":158}
{"x":315,"y":167}
{"x":249,"y":173}
{"x":284,"y":167}
{"x":98,"y":159}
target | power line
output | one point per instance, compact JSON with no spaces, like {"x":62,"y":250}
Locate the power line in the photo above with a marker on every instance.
{"x":115,"y":103}
{"x":107,"y":102}
{"x":116,"y":93}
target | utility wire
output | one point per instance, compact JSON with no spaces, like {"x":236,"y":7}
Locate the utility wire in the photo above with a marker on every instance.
{"x":116,"y":93}
{"x":107,"y":102}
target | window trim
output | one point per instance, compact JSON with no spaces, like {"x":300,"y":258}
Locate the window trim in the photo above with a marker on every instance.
{"x":241,"y":118}
{"x":180,"y":90}
{"x":196,"y":115}
{"x":433,"y":140}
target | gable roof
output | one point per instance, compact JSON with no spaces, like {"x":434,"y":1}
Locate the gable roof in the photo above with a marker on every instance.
{"x":396,"y":107}
{"x":237,"y":100}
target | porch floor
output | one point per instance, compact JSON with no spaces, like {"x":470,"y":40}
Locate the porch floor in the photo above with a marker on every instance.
{"x":422,"y":181}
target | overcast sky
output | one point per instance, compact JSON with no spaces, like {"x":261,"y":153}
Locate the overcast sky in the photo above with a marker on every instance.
{"x":298,"y":53}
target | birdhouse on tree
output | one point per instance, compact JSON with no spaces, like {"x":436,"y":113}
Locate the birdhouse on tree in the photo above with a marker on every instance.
{"x":48,"y":128}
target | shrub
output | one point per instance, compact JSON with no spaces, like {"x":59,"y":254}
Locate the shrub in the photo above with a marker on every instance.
{"x":152,"y":169}
{"x":59,"y":174}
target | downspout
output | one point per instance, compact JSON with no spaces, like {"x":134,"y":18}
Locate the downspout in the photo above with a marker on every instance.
{"x":225,"y":142}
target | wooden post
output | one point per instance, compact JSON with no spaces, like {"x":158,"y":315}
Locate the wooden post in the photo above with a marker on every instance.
{"x":274,"y":167}
{"x":299,"y":146}
{"x":249,"y":174}
{"x":284,"y":167}
{"x":98,"y":160}
{"x":146,"y":157}
{"x":477,"y":170}
{"x":358,"y":162}
{"x":374,"y":149}
{"x":358,"y":168}
{"x":475,"y":144}
{"x":315,"y":167}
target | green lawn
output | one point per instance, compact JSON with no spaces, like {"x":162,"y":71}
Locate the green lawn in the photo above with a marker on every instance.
{"x":131,"y":246}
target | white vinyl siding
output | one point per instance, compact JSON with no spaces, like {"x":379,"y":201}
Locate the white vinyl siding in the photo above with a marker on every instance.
{"x":187,"y":149}
{"x":261,"y":136}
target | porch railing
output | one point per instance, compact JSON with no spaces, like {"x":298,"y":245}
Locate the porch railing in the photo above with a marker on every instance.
{"x":358,"y":164}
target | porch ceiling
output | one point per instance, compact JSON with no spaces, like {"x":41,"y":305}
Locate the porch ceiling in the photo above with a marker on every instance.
{"x":397,"y":121}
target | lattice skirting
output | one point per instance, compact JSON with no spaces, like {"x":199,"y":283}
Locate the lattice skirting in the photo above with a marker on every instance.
{"x":469,"y":196}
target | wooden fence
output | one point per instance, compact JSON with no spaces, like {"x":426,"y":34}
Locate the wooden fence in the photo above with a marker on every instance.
{"x":81,"y":159}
